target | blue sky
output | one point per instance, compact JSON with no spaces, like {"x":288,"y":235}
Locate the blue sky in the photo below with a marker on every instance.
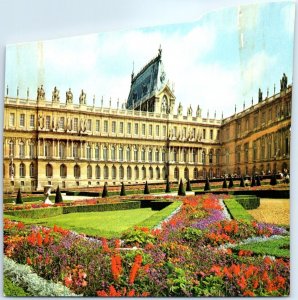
{"x":216,"y":62}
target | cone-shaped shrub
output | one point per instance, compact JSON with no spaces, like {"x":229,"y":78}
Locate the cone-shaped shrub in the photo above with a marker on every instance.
{"x":253,"y":181}
{"x":273,"y":180}
{"x":19,"y":197}
{"x":105,"y":191}
{"x":168,"y":187}
{"x":188,"y":186}
{"x":122,"y":192}
{"x":58,"y":197}
{"x":207,"y":185}
{"x":258,"y":181}
{"x":146,"y":189}
{"x":224,"y":184}
{"x":181,"y":191}
{"x":242,"y":181}
{"x":231,"y":184}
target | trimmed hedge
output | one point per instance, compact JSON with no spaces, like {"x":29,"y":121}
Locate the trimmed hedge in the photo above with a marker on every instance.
{"x":36,"y":213}
{"x":237,"y":211}
{"x":248,"y":201}
{"x":28,"y":199}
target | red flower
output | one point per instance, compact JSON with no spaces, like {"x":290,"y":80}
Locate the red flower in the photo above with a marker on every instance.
{"x":29,"y":261}
{"x":39,"y":239}
{"x":116,"y":266}
{"x":134,"y":269}
{"x":242,"y":283}
{"x":216,"y":270}
{"x":249,"y":294}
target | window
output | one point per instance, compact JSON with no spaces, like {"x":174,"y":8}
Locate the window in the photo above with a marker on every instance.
{"x":89,"y":172}
{"x":129,"y":173}
{"x":195,"y":173}
{"x":227,"y":157}
{"x":105,"y":126}
{"x":136,"y":172}
{"x":185,"y":155}
{"x":22,"y":170}
{"x":77,"y":171}
{"x":61,"y":124}
{"x":32,"y":170}
{"x":11,"y":119}
{"x":210,"y":157}
{"x":88,"y":152}
{"x":75,"y":124}
{"x":150,"y":129}
{"x":22,"y":120}
{"x":156,"y":155}
{"x":121,"y":172}
{"x":96,"y":152}
{"x":136,"y":128}
{"x":204,"y":133}
{"x":217,"y":156}
{"x":31,"y":151}
{"x":203,"y":157}
{"x":129,"y":128}
{"x":114,"y":126}
{"x":49,"y":170}
{"x":143,"y":172}
{"x":106,"y":172}
{"x":157,"y":173}
{"x":175,"y":155}
{"x":237,"y":151}
{"x":89,"y":125}
{"x":157,"y":130}
{"x":246,"y":124}
{"x":164,"y":129}
{"x":105,"y":153}
{"x":194,"y":133}
{"x":128,"y":154}
{"x":97,"y":172}
{"x":163,"y":156}
{"x":48,"y":122}
{"x":184,"y":132}
{"x":150,"y":173}
{"x":21,"y":150}
{"x":63,"y":171}
{"x":62,"y":150}
{"x":176,"y":173}
{"x":186,"y":173}
{"x":97,"y":125}
{"x":32,"y":120}
{"x":114,"y":173}
{"x":194,"y":155}
{"x":263,"y":117}
{"x":211,"y":134}
{"x":121,"y":127}
{"x":11,"y":148}
{"x":75,"y":150}
{"x":120,"y":154}
{"x":113,"y":153}
{"x":143,"y":129}
{"x":150,"y":155}
{"x":246,"y":152}
{"x":136,"y":154}
{"x":175,"y":131}
{"x":143,"y":155}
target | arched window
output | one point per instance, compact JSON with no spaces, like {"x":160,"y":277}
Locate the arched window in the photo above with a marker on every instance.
{"x":63,"y":171}
{"x":217,"y":156}
{"x":48,"y":149}
{"x":113,"y":153}
{"x":97,"y":172}
{"x":157,"y":173}
{"x":89,"y":172}
{"x":195,"y":155}
{"x":211,"y":157}
{"x":22,"y":149}
{"x":121,"y":172}
{"x":75,"y":150}
{"x":49,"y":170}
{"x":88,"y":152}
{"x":150,"y":173}
{"x":195,"y":173}
{"x":203,"y":157}
{"x":204,"y":173}
{"x":114,"y":173}
{"x":143,"y":172}
{"x":136,"y":172}
{"x":120,"y":154}
{"x":105,"y":153}
{"x":62,"y":150}
{"x":176,"y":173}
{"x":32,"y":170}
{"x":156,"y":155}
{"x":22,"y":170}
{"x":128,"y":172}
{"x":164,"y":173}
{"x":96,"y":152}
{"x":211,"y":173}
{"x":186,"y":173}
{"x":128,"y":154}
{"x":106,"y":172}
{"x":150,"y":155}
{"x":136,"y":154}
{"x":77,"y":171}
{"x":143,"y":154}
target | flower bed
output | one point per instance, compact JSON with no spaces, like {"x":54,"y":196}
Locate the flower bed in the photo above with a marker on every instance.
{"x":182,"y":258}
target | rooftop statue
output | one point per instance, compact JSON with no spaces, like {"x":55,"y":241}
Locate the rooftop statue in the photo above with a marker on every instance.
{"x":189,"y":111}
{"x":260,"y":95}
{"x":82,"y":98}
{"x":69,"y":96}
{"x":40,"y":93}
{"x":180,"y":108}
{"x":55,"y":95}
{"x":199,"y":112}
{"x":283,"y":82}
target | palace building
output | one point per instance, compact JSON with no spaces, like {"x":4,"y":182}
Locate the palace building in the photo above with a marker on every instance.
{"x":76,"y":145}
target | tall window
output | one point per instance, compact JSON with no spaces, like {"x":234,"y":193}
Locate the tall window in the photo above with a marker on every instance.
{"x":22,"y":170}
{"x":120,"y":154}
{"x":129,"y":128}
{"x":143,"y":172}
{"x":96,"y":152}
{"x":32,"y":120}
{"x":88,"y":150}
{"x":204,"y":133}
{"x":105,"y":126}
{"x":129,"y":173}
{"x":114,"y":126}
{"x":49,"y":170}
{"x":184,"y":155}
{"x":63,"y":171}
{"x":136,"y":172}
{"x":163,"y":156}
{"x":62,"y":150}
{"x":136,"y":128}
{"x":164,"y":131}
{"x":203,"y":157}
{"x":143,"y":129}
{"x":211,"y":134}
{"x":11,"y":148}
{"x":61,"y":123}
{"x":75,"y":150}
{"x":97,"y":125}
{"x":150,"y":173}
{"x":11,"y":119}
{"x":121,"y":172}
{"x":48,"y":122}
{"x":75,"y":124}
{"x":113,"y":153}
{"x":48,"y":149}
{"x":105,"y":153}
{"x":106,"y":172}
{"x":150,"y":130}
{"x":186,"y":173}
{"x":121,"y":130}
{"x":77,"y":171}
{"x":143,"y":154}
{"x":175,"y":155}
{"x":156,"y":155}
{"x":195,"y":173}
{"x":217,"y":156}
{"x":150,"y":155}
{"x":22,"y":120}
{"x":89,"y":125}
{"x":176,"y":173}
{"x":210,"y":157}
{"x":89,"y":172}
{"x":157,"y":130}
{"x":32,"y":170}
{"x":97,"y":172}
{"x":21,"y":150}
{"x":157,"y":173}
{"x":128,"y":154}
{"x":246,"y":152}
{"x":136,"y":154}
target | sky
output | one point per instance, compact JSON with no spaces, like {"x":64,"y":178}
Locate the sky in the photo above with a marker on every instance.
{"x":217,"y":62}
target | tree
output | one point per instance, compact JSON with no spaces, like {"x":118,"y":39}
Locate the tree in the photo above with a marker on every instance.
{"x":242,"y":181}
{"x":146,"y":189}
{"x":207,"y":185}
{"x":19,"y":197}
{"x":181,"y":191}
{"x":58,"y":196}
{"x":188,"y":186}
{"x":168,"y":187}
{"x":231,"y":184}
{"x":122,"y":192}
{"x":273,"y":180}
{"x":258,"y":181}
{"x":253,"y":181}
{"x":224,"y":184}
{"x":105,"y":191}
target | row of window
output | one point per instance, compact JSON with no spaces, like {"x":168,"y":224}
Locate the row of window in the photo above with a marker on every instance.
{"x":12,"y":120}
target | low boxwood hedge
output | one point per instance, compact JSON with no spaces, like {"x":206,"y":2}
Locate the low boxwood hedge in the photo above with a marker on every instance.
{"x":248,"y":201}
{"x":237,"y":211}
{"x":36,"y":213}
{"x":28,"y":199}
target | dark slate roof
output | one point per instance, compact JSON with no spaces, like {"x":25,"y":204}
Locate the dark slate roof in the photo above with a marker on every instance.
{"x":147,"y":82}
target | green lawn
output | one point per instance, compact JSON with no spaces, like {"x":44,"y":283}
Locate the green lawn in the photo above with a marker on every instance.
{"x":104,"y":224}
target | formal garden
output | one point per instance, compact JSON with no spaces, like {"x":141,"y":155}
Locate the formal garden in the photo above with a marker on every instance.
{"x":182,"y":240}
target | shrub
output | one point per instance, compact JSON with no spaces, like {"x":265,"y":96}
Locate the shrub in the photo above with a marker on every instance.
{"x":146,"y":189}
{"x":36,"y":213}
{"x":168,"y":187}
{"x":224,"y":185}
{"x":237,"y":211}
{"x":207,"y":185}
{"x":19,"y":197}
{"x":105,"y":191}
{"x":58,"y":197}
{"x":188,"y":186}
{"x":231,"y":184}
{"x":12,"y":290}
{"x":248,"y":201}
{"x":253,"y":181}
{"x":242,"y":181}
{"x":181,"y":191}
{"x":122,"y":192}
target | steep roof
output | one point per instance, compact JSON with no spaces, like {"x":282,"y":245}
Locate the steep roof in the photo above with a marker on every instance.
{"x":151,"y":79}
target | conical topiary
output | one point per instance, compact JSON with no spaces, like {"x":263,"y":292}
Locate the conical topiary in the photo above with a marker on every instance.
{"x":273,"y":180}
{"x":58,"y":196}
{"x":105,"y":191}
{"x":188,"y":186}
{"x":253,"y":181}
{"x":231,"y":184}
{"x":242,"y":182}
{"x":19,"y":197}
{"x":168,"y":187}
{"x":207,"y":185}
{"x":224,"y":184}
{"x":146,"y":189}
{"x":122,"y":192}
{"x":258,"y":181}
{"x":181,"y":191}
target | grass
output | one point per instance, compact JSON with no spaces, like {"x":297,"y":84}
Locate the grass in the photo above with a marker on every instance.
{"x":160,"y":215}
{"x":104,"y":224}
{"x":237,"y":211}
{"x":277,"y":247}
{"x":12,"y":290}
